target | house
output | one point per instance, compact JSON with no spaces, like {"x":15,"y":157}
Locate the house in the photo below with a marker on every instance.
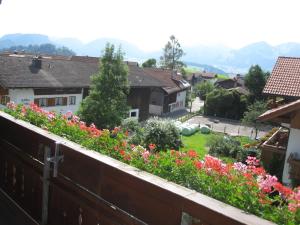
{"x":284,"y":82}
{"x":61,"y":83}
{"x":202,"y":77}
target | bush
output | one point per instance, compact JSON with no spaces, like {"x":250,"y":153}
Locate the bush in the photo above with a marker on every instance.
{"x":130,"y":125}
{"x":134,"y":129}
{"x":163,"y":133}
{"x":224,"y":146}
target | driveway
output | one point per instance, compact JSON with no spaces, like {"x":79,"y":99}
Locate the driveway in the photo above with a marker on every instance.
{"x":231,"y":127}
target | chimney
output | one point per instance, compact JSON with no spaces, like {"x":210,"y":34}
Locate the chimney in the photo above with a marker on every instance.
{"x":37,"y":62}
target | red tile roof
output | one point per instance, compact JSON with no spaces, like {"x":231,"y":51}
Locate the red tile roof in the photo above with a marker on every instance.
{"x":285,"y":78}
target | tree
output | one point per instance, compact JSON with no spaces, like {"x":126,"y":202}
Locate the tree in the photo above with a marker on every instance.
{"x":149,"y":63}
{"x":202,"y":89}
{"x":255,"y":81}
{"x":225,"y":103}
{"x":106,"y":104}
{"x":252,"y":113}
{"x":172,"y":54}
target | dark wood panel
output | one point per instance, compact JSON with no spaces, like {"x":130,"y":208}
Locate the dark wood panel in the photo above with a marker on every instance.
{"x":56,"y":91}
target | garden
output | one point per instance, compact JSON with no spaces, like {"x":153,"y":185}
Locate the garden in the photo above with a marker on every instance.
{"x":242,"y":183}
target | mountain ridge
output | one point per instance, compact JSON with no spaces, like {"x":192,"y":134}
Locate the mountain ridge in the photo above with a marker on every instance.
{"x":226,"y":59}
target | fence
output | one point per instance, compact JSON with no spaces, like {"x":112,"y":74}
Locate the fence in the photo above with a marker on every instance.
{"x":58,"y":182}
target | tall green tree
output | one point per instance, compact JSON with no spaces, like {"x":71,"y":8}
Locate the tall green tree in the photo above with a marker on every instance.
{"x":172,"y":53}
{"x":225,"y":103}
{"x":202,"y":89}
{"x":255,"y":80}
{"x":106,"y":104}
{"x":149,"y":63}
{"x":252,"y":113}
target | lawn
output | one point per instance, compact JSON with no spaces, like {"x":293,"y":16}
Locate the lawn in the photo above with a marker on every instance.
{"x":198,"y":142}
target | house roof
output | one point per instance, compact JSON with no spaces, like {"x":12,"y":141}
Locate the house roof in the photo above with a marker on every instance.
{"x":285,"y":78}
{"x":16,"y":71}
{"x":280,"y":111}
{"x":205,"y":75}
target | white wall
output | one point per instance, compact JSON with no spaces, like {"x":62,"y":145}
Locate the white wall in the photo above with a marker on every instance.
{"x":293,"y":147}
{"x":22,"y":95}
{"x":26,"y":95}
{"x":63,"y":108}
{"x":180,"y":102}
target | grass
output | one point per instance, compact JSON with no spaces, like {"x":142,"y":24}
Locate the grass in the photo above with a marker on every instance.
{"x":196,"y":142}
{"x":223,"y":76}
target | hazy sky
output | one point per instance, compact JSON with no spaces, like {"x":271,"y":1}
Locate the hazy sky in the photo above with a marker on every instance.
{"x":148,"y":24}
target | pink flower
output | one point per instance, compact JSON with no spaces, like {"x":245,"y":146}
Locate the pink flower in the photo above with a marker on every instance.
{"x":241,"y":167}
{"x":266,"y":183}
{"x":145,"y":156}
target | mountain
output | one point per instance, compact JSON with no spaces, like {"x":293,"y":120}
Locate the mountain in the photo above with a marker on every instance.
{"x":24,"y":39}
{"x":226,"y":59}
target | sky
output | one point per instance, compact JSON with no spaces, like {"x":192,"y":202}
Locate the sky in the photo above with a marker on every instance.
{"x":149,"y":23}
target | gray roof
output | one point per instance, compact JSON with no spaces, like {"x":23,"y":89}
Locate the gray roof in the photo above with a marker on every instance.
{"x":16,"y":71}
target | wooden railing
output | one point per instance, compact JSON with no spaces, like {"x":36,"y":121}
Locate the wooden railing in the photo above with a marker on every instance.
{"x":82,"y":187}
{"x":273,"y":146}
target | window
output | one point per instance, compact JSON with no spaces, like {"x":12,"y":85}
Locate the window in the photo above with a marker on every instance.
{"x":4,"y":99}
{"x":43,"y":102}
{"x":134,"y":113}
{"x":59,"y":101}
{"x":72,"y":100}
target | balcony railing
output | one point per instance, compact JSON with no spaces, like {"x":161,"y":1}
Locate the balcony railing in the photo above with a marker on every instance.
{"x":59,"y":182}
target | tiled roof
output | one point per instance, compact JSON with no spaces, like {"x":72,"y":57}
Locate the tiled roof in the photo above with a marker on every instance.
{"x":285,"y":78}
{"x":279,"y":111}
{"x":17,"y":72}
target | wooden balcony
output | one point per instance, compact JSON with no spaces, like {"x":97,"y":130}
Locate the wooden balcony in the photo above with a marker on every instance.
{"x":57,"y":182}
{"x":275,"y":145}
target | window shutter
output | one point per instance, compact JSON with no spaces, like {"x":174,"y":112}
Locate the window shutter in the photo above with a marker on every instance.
{"x":51,"y":102}
{"x":65,"y":100}
{"x":37,"y":101}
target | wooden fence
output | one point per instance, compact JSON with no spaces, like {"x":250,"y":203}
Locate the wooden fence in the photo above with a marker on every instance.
{"x":57,"y":182}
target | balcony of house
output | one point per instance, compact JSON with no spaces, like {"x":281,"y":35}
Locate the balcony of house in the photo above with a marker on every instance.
{"x":276,"y":144}
{"x":55,"y":181}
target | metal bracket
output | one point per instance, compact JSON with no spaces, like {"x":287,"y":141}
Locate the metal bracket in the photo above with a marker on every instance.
{"x":55,"y":160}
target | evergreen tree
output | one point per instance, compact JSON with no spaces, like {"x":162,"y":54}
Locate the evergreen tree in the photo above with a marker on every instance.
{"x":106,"y":104}
{"x":172,"y":54}
{"x":255,"y":81}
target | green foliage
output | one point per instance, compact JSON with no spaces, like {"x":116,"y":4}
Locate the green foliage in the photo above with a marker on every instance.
{"x":106,"y":104}
{"x":43,"y":49}
{"x":252,"y":113}
{"x":134,"y":129}
{"x":149,"y":63}
{"x":225,"y":103}
{"x":172,"y":55}
{"x":202,"y":89}
{"x":163,"y":133}
{"x":255,"y":81}
{"x":220,"y":145}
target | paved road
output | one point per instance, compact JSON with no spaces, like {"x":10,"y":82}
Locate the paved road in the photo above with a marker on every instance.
{"x":231,"y":127}
{"x":197,"y":104}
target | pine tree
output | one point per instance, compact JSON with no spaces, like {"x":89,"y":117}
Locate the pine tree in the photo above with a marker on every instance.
{"x":106,"y":104}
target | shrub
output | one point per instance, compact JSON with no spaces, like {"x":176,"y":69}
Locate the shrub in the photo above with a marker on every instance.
{"x":134,"y":129}
{"x":163,"y":133}
{"x":223,"y":146}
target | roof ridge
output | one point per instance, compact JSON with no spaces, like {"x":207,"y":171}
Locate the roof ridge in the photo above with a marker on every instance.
{"x":289,"y":57}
